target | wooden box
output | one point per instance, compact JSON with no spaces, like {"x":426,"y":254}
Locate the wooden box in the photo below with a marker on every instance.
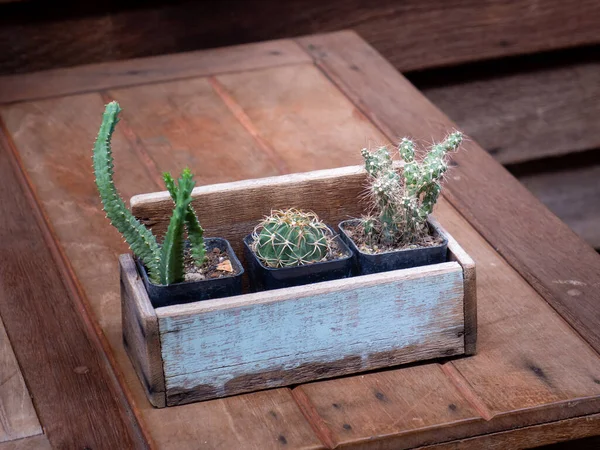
{"x":216,"y":348}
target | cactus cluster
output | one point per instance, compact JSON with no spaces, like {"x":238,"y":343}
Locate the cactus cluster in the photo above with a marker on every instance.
{"x":291,"y":238}
{"x":164,"y":262}
{"x":401,"y":202}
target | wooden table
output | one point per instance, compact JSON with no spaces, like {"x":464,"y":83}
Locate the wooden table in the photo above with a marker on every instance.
{"x":252,"y":111}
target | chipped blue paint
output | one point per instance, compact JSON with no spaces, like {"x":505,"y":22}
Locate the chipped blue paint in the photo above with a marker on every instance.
{"x":213,"y":347}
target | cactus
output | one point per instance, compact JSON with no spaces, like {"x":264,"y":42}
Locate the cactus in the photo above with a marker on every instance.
{"x":402,"y":202}
{"x":164,"y":262}
{"x":422,"y":181}
{"x":291,"y":238}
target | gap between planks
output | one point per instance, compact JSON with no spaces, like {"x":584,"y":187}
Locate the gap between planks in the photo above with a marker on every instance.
{"x":75,"y":290}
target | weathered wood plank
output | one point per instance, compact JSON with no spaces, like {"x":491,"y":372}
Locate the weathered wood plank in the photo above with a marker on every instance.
{"x":61,"y":359}
{"x":412,"y":34}
{"x":541,"y":247}
{"x":39,"y":442}
{"x":140,"y":332}
{"x":229,"y":346}
{"x":233,"y":209}
{"x":534,"y":436}
{"x":571,"y":194}
{"x":94,"y":77}
{"x":457,"y":253}
{"x":17,"y":415}
{"x":392,"y":409}
{"x":186,"y":124}
{"x":308,"y":122}
{"x":522,"y":115}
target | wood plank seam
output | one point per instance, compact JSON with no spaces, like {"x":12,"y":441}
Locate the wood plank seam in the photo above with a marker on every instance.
{"x":74,"y":288}
{"x":318,"y":425}
{"x":466,"y":390}
{"x":239,"y":113}
{"x":137,"y":145}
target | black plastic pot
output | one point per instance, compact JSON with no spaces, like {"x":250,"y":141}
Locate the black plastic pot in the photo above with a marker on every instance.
{"x":263,"y":278}
{"x":193,"y":291}
{"x":366,"y":263}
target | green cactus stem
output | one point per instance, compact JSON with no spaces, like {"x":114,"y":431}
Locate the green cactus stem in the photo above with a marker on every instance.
{"x":165,"y":263}
{"x":402,"y":202}
{"x":141,"y":240}
{"x":194,"y":229}
{"x":291,"y":238}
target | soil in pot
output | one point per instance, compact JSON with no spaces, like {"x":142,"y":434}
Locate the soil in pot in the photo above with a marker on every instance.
{"x":221,"y":276}
{"x":337,"y":264}
{"x":430,"y":249}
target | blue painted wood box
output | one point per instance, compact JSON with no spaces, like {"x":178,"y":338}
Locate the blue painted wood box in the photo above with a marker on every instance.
{"x":222,"y":347}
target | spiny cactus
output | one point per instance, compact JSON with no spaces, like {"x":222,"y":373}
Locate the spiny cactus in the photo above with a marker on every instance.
{"x":291,"y":238}
{"x":422,"y":180}
{"x":164,"y":262}
{"x":402,"y":202}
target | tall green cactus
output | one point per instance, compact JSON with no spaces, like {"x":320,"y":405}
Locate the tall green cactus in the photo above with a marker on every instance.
{"x":291,"y":238}
{"x":402,"y":202}
{"x":165,"y":263}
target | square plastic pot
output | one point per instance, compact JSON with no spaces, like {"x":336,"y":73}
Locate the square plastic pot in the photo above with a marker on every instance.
{"x":192,"y":291}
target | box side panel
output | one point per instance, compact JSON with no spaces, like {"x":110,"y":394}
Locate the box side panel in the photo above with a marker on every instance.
{"x":140,"y":332}
{"x":355,"y":326}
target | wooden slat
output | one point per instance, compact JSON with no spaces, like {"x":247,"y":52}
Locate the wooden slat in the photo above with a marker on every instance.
{"x":140,"y":332}
{"x":411,"y":34}
{"x":524,"y":115}
{"x":186,"y":124}
{"x":534,"y":241}
{"x":534,"y":436}
{"x":61,"y":359}
{"x":261,"y":420}
{"x":395,"y":409}
{"x":147,"y":70}
{"x":39,"y":442}
{"x":17,"y":416}
{"x":571,"y":194}
{"x":306,"y":120}
{"x":222,"y":347}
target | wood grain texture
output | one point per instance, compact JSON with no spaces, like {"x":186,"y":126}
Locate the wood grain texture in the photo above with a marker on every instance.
{"x":534,"y":241}
{"x":411,"y":34}
{"x":17,"y":415}
{"x":571,"y":194}
{"x":308,"y":122}
{"x":534,"y":436}
{"x":140,"y":332}
{"x":186,"y":124}
{"x":458,"y":254}
{"x":393,"y":409}
{"x":60,"y":82}
{"x":39,"y":442}
{"x":527,"y":114}
{"x":60,"y":357}
{"x":227,"y":210}
{"x":228,"y":346}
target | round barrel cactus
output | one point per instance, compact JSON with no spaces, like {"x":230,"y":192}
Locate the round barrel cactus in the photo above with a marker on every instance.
{"x":291,"y":238}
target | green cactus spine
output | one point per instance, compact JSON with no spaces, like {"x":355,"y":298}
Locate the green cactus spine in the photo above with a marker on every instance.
{"x":422,"y":181}
{"x":402,"y":202}
{"x":291,"y":238}
{"x":165,"y":263}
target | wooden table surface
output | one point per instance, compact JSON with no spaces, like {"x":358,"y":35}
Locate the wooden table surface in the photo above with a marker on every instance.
{"x":247,"y":112}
